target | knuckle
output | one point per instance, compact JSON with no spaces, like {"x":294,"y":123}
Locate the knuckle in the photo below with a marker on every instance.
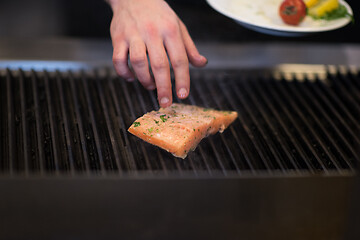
{"x":122,"y":72}
{"x":160,"y":65}
{"x":164,"y":90}
{"x":116,"y":34}
{"x":146,"y":82}
{"x":171,"y":29}
{"x":121,"y":69}
{"x":180,"y":62}
{"x":151,"y":29}
{"x":119,"y":60}
{"x":138,"y":60}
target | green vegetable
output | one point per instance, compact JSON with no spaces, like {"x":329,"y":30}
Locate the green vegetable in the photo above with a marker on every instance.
{"x":162,"y":117}
{"x":337,"y":13}
{"x":136,"y":124}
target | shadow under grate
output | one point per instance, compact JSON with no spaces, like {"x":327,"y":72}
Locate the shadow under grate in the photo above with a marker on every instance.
{"x":60,"y":123}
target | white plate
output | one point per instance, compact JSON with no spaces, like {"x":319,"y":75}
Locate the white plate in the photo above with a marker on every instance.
{"x":262,"y":16}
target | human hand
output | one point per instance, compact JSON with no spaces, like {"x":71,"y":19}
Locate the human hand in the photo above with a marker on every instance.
{"x":150,"y":28}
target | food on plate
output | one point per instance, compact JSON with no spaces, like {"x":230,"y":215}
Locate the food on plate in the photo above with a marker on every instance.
{"x":310,"y":3}
{"x":292,"y":11}
{"x":326,"y":9}
{"x":321,"y":7}
{"x":179,"y":128}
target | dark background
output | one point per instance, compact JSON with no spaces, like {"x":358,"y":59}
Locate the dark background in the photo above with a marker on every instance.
{"x":91,"y":19}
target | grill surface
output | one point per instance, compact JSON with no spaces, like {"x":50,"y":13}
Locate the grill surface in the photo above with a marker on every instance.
{"x":75,"y":122}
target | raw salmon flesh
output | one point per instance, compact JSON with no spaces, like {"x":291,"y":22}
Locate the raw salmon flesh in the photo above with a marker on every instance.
{"x":179,"y":128}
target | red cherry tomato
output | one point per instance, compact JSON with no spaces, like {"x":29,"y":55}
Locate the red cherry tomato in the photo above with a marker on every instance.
{"x":292,"y":11}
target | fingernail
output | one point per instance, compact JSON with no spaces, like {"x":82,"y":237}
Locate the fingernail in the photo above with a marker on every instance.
{"x":164,"y":100}
{"x":130,"y":79}
{"x":182,"y":92}
{"x":206,"y":61}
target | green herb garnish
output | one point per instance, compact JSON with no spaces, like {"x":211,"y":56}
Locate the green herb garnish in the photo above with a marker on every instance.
{"x":136,"y":124}
{"x":337,"y":13}
{"x":162,"y":117}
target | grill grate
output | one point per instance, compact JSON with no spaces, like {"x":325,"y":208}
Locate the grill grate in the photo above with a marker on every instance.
{"x":69,"y":123}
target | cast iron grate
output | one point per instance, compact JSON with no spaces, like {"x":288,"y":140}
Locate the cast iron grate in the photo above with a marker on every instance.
{"x":75,"y":123}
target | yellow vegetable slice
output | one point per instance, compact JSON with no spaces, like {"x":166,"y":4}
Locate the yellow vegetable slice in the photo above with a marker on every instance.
{"x":322,"y":7}
{"x":310,"y":3}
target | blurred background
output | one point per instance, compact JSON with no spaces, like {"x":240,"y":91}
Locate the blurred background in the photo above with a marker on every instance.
{"x":91,"y":19}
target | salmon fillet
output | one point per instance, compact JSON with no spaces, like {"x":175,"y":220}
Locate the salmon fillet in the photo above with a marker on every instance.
{"x":179,"y":128}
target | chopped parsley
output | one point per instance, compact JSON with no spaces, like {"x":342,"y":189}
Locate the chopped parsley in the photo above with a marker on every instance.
{"x":157,"y":122}
{"x":206,"y":109}
{"x":162,"y":117}
{"x":136,"y":124}
{"x":151,"y":129}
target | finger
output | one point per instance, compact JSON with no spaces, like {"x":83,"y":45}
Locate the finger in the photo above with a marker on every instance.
{"x":179,"y":62}
{"x":120,"y":60}
{"x":161,"y":71}
{"x":139,"y":63}
{"x":193,"y":54}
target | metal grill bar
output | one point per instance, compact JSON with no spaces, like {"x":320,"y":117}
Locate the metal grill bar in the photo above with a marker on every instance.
{"x":289,"y":140}
{"x":242,"y":157}
{"x":328,"y":161}
{"x":65,"y":118}
{"x":317,"y":126}
{"x":23,"y":122}
{"x":265,"y":138}
{"x":94,"y":128}
{"x":10,"y":121}
{"x":129,"y":161}
{"x":255,"y":148}
{"x":55,"y":123}
{"x":279,"y":145}
{"x":108,"y":124}
{"x":197,"y":161}
{"x":317,"y":108}
{"x":133,"y":104}
{"x":335,"y":115}
{"x":346,"y":79}
{"x":79,"y":124}
{"x":343,"y":94}
{"x":336,"y":103}
{"x":296,"y":132}
{"x":204,"y":103}
{"x":206,"y":100}
{"x":39,"y":146}
{"x":3,"y":124}
{"x":54,"y":139}
{"x":143,"y":108}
